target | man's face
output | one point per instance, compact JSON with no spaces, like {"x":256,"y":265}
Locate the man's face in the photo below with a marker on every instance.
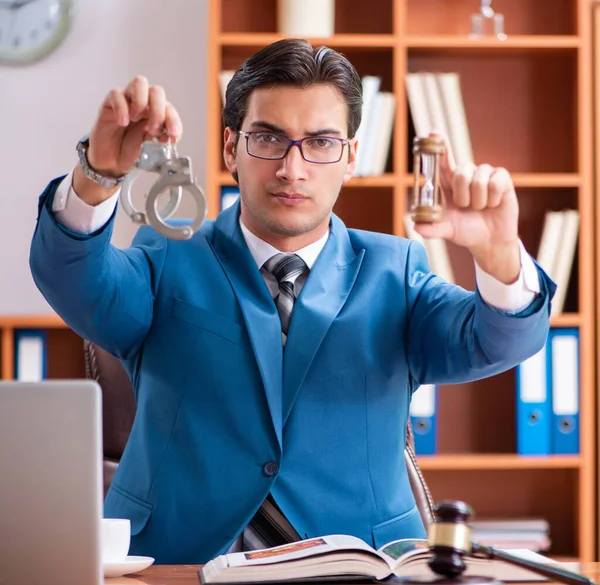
{"x":287,"y":202}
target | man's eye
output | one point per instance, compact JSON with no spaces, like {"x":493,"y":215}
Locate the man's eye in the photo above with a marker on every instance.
{"x":268,"y":138}
{"x":321,"y":143}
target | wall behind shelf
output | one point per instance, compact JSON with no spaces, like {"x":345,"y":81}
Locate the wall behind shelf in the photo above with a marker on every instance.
{"x":53,"y":103}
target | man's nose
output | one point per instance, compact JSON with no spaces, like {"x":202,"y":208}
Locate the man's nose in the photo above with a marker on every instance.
{"x":293,"y":166}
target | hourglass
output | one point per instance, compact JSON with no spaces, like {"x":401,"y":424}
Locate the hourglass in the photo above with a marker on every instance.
{"x":426,"y":200}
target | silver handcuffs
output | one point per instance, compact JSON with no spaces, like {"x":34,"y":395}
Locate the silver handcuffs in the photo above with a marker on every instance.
{"x":175,"y":175}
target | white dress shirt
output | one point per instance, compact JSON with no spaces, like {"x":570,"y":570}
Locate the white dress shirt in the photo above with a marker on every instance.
{"x":81,"y":218}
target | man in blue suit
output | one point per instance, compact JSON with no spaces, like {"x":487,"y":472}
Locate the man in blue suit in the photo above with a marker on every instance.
{"x":273,"y":355}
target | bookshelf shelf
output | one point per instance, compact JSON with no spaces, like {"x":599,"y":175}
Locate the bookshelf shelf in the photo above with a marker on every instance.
{"x":546,"y":180}
{"x":526,"y":180}
{"x":513,"y":42}
{"x":385,"y":180}
{"x":523,"y":180}
{"x":497,"y":462}
{"x":566,"y":320}
{"x":337,"y":41}
{"x":31,"y":321}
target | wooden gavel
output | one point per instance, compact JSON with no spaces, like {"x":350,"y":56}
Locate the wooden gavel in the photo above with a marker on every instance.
{"x":450,"y":541}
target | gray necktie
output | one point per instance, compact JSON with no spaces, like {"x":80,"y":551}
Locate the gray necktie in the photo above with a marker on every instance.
{"x":269,"y":527}
{"x":285,"y":268}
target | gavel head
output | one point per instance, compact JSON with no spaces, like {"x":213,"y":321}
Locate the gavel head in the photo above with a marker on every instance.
{"x":449,"y":538}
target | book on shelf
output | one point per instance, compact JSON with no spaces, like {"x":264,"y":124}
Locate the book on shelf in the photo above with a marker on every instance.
{"x":365,"y":131}
{"x":436,"y":104}
{"x":374,"y":135}
{"x":229,"y":195}
{"x":435,"y":248}
{"x":556,"y":253}
{"x":548,"y":396}
{"x":343,"y":557}
{"x":224,"y":78}
{"x":423,"y":418}
{"x":31,"y":355}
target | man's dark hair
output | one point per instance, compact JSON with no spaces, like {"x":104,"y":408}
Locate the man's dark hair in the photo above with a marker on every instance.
{"x":297,"y":63}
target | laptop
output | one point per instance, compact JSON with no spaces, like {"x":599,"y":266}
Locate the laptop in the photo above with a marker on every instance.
{"x":51,"y":494}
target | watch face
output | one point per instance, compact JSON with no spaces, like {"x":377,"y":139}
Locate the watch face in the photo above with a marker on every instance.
{"x":31,"y":29}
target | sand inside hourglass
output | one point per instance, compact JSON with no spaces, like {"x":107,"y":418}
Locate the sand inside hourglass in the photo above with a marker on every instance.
{"x":428,"y":188}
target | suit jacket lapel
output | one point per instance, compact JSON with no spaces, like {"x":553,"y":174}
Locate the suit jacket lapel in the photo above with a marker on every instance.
{"x":256,"y":303}
{"x":322,"y":297}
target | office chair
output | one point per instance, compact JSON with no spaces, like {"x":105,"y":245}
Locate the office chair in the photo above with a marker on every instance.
{"x":118,"y":410}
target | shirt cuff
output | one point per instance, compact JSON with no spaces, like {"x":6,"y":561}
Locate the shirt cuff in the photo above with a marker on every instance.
{"x":75,"y":214}
{"x":515,"y":297}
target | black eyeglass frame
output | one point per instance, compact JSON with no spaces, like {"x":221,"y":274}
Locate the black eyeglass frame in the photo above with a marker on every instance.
{"x":298,"y":143}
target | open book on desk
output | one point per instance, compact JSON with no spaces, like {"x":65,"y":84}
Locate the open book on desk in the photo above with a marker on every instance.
{"x":342,"y":557}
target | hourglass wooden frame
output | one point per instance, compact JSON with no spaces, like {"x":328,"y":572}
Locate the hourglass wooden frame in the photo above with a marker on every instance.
{"x":424,"y":212}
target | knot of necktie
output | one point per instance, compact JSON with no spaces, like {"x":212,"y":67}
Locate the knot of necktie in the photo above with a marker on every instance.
{"x":285,"y":268}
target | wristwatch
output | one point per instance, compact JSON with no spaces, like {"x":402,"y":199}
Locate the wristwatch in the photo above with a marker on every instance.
{"x":90,"y":173}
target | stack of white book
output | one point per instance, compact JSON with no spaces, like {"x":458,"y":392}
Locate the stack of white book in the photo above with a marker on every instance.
{"x":374,"y":135}
{"x":557,"y":251}
{"x":516,"y":533}
{"x":436,"y":104}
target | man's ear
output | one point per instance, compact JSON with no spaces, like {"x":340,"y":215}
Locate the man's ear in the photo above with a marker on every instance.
{"x":351,"y":165}
{"x":229,"y":149}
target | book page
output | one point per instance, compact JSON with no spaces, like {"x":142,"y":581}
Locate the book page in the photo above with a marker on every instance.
{"x":299,"y":550}
{"x":398,"y":552}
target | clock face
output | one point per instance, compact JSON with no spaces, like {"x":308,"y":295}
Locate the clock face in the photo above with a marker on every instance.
{"x":31,"y":29}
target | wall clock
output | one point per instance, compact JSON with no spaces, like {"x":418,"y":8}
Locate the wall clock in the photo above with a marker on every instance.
{"x":31,"y":29}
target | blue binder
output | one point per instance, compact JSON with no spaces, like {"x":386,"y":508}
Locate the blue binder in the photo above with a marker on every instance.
{"x":423,"y":408}
{"x":564,"y":345}
{"x":30,"y":355}
{"x":534,"y":405}
{"x":228,"y":196}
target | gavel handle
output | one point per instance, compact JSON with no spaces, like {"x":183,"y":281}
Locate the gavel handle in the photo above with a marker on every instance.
{"x":547,"y":570}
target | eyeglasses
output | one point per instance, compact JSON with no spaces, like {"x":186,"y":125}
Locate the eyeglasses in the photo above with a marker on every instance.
{"x":322,"y":150}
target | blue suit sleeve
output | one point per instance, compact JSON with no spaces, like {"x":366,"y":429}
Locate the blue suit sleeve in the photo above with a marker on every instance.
{"x":103,"y":293}
{"x":455,"y":336}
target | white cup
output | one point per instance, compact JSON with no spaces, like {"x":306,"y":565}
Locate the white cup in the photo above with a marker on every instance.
{"x":116,"y":538}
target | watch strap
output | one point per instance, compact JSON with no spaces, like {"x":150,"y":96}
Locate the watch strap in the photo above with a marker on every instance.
{"x":102,"y":180}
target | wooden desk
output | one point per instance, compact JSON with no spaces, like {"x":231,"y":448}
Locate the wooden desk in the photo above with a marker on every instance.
{"x":160,"y":575}
{"x":188,"y":575}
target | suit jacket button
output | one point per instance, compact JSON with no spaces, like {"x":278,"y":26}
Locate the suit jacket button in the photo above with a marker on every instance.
{"x":271,"y":468}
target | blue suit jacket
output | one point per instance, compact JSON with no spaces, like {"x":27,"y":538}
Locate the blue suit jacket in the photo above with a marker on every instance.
{"x":218,"y":399}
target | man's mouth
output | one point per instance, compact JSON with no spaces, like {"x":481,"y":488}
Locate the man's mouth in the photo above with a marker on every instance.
{"x":287,"y":198}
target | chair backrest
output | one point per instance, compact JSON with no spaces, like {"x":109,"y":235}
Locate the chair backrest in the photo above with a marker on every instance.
{"x":118,"y":404}
{"x":118,"y":410}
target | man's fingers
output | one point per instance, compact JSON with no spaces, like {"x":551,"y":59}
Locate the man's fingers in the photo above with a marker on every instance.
{"x":479,"y":187}
{"x":157,"y":103}
{"x":500,"y":183}
{"x":443,"y":229}
{"x":461,"y":185}
{"x":173,"y":123}
{"x":136,"y":94}
{"x":116,"y":101}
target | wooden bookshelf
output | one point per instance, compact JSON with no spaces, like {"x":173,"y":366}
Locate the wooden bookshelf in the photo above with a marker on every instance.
{"x":64,"y":348}
{"x":529,"y":107}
